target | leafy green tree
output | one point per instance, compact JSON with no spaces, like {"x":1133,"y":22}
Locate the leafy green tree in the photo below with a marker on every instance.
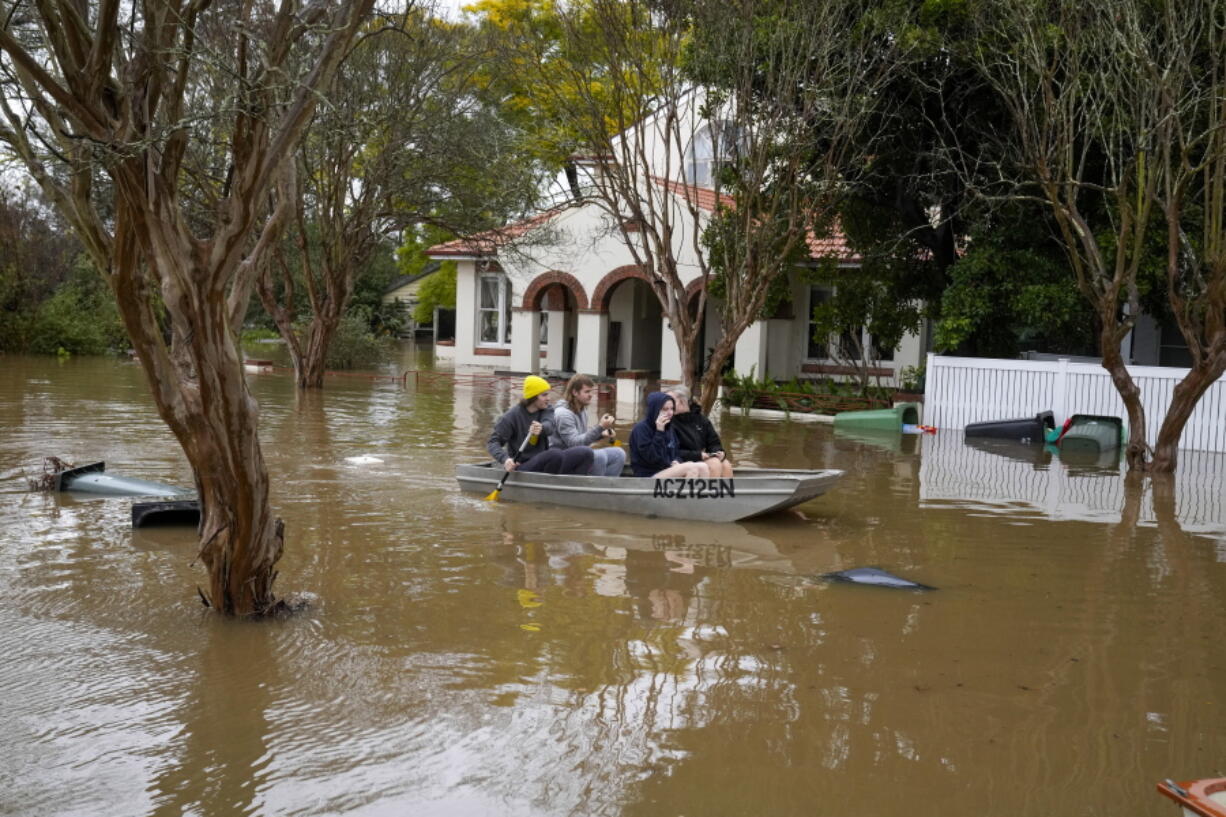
{"x":436,"y":292}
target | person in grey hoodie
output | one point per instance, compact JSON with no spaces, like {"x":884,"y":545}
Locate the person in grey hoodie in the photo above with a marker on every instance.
{"x":570,"y":427}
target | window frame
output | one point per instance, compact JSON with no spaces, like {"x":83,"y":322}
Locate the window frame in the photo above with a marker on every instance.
{"x":830,"y":342}
{"x":502,"y":309}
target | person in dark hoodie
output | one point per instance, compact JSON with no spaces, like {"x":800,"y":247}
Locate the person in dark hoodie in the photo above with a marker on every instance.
{"x":697,"y":439}
{"x":653,"y":445}
{"x":520,"y":440}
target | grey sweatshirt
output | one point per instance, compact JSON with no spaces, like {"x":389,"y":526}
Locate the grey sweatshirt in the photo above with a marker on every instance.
{"x":570,"y":428}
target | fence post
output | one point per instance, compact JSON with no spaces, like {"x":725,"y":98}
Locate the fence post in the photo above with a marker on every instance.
{"x":1059,"y":397}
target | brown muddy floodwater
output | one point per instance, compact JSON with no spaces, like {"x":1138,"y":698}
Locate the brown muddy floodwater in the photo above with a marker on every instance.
{"x":469,"y":658}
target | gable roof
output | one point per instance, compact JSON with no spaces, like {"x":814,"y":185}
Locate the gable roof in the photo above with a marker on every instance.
{"x":487,"y":243}
{"x":831,"y":246}
{"x":405,"y":280}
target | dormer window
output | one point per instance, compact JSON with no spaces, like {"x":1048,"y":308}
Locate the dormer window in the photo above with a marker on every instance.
{"x":713,"y":144}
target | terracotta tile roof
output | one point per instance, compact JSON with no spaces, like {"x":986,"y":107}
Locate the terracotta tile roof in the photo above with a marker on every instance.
{"x":703,"y":198}
{"x":832,"y":246}
{"x":488,"y":243}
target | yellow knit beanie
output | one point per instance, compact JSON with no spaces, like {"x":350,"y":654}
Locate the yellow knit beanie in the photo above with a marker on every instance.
{"x":534,"y":385}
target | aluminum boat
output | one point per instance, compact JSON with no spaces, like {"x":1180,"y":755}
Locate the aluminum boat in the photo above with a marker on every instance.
{"x":752,"y":492}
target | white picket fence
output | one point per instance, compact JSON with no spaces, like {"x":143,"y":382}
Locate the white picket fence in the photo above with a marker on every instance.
{"x":963,"y":390}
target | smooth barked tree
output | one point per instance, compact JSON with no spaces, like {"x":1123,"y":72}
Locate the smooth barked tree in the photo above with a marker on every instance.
{"x":159,"y":129}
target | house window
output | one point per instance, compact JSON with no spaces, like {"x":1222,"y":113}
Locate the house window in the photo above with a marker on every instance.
{"x":713,"y":144}
{"x":848,"y":343}
{"x":493,"y":310}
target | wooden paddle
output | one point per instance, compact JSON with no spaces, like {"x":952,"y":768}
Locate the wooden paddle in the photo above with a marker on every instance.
{"x":493,"y":497}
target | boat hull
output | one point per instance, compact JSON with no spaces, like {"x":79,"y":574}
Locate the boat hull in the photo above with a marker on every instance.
{"x":1198,"y":798}
{"x":752,"y":492}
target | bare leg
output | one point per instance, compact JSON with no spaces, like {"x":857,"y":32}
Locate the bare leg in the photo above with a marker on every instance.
{"x":683,"y":469}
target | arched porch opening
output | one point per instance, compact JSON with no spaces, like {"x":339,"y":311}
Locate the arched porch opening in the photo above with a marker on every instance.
{"x":634,"y":326}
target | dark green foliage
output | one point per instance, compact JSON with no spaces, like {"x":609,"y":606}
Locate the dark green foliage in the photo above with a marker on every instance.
{"x":80,"y":318}
{"x":1012,"y":291}
{"x":369,"y":284}
{"x":819,"y":396}
{"x":46,"y":297}
{"x":355,"y":346}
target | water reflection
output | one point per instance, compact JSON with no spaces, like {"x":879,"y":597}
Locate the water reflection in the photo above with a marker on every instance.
{"x":219,"y":758}
{"x":1029,"y":481}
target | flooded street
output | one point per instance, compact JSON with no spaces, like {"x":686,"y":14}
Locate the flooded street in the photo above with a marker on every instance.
{"x":473,"y":658}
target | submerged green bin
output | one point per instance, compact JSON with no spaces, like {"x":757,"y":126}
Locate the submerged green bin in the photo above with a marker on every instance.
{"x":1093,"y":433}
{"x":891,"y":419}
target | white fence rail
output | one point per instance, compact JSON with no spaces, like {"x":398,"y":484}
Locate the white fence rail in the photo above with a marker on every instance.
{"x":963,"y":390}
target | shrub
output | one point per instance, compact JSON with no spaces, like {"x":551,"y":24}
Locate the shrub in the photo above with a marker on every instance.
{"x":354,"y":346}
{"x":80,"y":319}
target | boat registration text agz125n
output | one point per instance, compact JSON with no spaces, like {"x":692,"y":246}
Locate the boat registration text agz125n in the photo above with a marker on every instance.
{"x":694,"y":488}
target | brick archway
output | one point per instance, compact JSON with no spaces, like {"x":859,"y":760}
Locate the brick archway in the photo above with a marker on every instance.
{"x":692,"y":289}
{"x":600,"y":298}
{"x":536,"y":290}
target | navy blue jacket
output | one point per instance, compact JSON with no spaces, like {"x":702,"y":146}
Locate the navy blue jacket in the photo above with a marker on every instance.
{"x":652,"y":450}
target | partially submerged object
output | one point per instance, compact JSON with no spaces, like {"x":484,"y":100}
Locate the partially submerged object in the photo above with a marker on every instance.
{"x":752,"y":492}
{"x":1040,"y":455}
{"x":876,"y":577}
{"x":1092,"y":434}
{"x":891,"y":419}
{"x":93,"y":479}
{"x":166,"y":512}
{"x":1198,"y":798}
{"x":1031,"y":430}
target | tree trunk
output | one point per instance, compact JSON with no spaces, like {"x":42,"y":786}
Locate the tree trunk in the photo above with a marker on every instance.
{"x":1136,"y":454}
{"x":310,"y":372}
{"x":1186,"y":395}
{"x":713,"y":377}
{"x":200,"y":391}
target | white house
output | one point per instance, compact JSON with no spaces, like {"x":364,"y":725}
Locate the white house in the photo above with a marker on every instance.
{"x":403,"y":293}
{"x":561,"y":292}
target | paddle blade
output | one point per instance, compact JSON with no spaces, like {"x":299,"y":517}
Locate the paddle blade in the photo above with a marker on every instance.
{"x":493,"y":497}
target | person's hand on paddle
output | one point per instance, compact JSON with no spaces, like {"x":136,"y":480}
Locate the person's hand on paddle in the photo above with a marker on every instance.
{"x":509,"y":464}
{"x":607,"y":421}
{"x":534,"y":430}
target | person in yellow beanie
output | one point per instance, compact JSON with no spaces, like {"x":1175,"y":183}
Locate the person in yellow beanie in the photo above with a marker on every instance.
{"x":520,"y":440}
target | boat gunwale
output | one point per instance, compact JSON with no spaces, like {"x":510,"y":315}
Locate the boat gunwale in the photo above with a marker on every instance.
{"x":1199,"y":795}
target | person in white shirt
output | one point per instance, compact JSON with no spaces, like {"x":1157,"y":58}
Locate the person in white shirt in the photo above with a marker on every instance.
{"x":571,"y":429}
